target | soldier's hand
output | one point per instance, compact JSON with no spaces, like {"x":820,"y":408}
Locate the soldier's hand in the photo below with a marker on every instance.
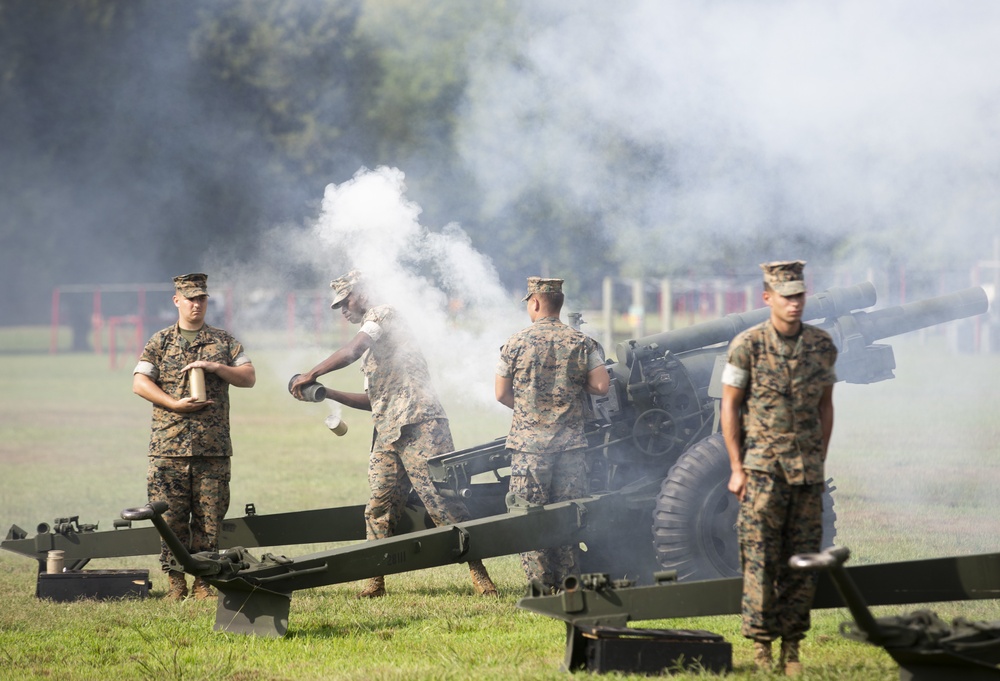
{"x":738,"y":483}
{"x":187,"y":404}
{"x":296,"y":387}
{"x":210,"y":367}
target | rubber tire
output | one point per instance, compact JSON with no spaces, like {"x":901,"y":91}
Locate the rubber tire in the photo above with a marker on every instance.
{"x":694,"y":521}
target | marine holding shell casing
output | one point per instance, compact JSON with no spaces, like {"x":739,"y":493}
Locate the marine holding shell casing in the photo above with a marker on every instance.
{"x":311,"y":392}
{"x":198,"y":393}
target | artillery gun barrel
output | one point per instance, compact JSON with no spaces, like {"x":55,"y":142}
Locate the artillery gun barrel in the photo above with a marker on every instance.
{"x":830,"y":303}
{"x":893,"y":321}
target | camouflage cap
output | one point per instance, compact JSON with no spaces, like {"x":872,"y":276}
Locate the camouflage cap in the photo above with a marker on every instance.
{"x":192,"y":285}
{"x":342,"y":287}
{"x":539,"y":285}
{"x":785,"y":277}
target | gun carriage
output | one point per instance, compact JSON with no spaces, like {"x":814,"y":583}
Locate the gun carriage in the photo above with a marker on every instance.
{"x":923,"y":646}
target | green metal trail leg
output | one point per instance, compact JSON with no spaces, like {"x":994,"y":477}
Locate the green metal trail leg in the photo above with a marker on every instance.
{"x":576,"y":649}
{"x":252,"y":610}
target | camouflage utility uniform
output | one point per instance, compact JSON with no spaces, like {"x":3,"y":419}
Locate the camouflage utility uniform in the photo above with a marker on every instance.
{"x":548,"y":364}
{"x":781,"y":512}
{"x":410,"y":427}
{"x":189,"y":453}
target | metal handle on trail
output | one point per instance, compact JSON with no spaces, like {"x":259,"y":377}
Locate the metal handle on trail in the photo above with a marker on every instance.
{"x":832,"y":560}
{"x":154,"y":511}
{"x":147,"y":512}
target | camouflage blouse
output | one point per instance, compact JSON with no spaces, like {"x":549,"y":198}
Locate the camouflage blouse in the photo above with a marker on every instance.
{"x":396,"y":377}
{"x":548,"y":363}
{"x":199,"y":433}
{"x":784,"y":379}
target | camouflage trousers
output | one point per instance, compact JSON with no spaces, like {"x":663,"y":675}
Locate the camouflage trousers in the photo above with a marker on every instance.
{"x":776,"y":521}
{"x":392,"y":471}
{"x":547,"y":479}
{"x":196,"y":490}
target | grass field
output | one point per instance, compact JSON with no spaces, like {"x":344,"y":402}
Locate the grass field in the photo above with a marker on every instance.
{"x":913,"y":461}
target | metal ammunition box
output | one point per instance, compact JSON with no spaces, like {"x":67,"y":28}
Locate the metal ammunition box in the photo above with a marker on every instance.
{"x":73,"y":585}
{"x":654,"y":651}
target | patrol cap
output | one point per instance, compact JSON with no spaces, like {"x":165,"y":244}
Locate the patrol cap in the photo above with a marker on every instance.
{"x":342,"y":287}
{"x":192,"y":285}
{"x":785,"y":277}
{"x":539,"y":285}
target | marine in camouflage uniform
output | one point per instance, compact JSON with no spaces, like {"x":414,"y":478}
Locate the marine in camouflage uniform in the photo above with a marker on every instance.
{"x":543,"y":374}
{"x":410,"y":427}
{"x":410,"y":423}
{"x":190,"y":447}
{"x":777,"y":415}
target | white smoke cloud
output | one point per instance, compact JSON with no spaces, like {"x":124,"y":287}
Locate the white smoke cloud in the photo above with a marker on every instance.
{"x":878,"y":122}
{"x":449,"y":293}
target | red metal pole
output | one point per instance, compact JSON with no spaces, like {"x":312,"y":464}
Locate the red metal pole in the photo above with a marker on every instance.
{"x":97,"y":322}
{"x":112,"y":340}
{"x":139,"y":336}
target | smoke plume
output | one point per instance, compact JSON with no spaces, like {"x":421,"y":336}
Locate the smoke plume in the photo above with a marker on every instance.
{"x":448,"y":292}
{"x":709,"y":133}
{"x":431,"y":277}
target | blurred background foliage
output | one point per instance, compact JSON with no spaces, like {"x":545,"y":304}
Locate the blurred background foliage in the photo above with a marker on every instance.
{"x":137,"y":136}
{"x":136,"y":132}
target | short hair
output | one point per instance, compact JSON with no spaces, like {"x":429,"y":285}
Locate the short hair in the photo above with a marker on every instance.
{"x":553,"y":301}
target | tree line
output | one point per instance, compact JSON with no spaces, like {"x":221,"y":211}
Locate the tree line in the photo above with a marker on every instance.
{"x":135,"y":133}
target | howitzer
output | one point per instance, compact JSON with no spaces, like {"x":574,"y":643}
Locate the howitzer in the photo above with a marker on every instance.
{"x":654,"y":439}
{"x":657,"y":468}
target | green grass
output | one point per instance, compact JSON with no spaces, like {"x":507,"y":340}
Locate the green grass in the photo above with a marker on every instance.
{"x":913,"y":459}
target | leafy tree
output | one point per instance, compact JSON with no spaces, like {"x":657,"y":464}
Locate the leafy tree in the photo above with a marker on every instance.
{"x":139,"y":136}
{"x":422,"y":48}
{"x":56,"y":78}
{"x":301,"y":75}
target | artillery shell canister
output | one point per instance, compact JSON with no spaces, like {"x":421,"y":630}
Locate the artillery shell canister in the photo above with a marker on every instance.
{"x":335,"y":424}
{"x":198,"y":385}
{"x":54,"y":562}
{"x":311,"y":392}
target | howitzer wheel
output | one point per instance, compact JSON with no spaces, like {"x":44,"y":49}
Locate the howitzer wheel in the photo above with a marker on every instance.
{"x":655,"y":433}
{"x":694,"y":522}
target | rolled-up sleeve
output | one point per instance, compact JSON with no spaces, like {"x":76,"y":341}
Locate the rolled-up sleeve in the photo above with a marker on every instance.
{"x":734,"y":376}
{"x":373,"y":329}
{"x":146,"y":369}
{"x":736,"y":373}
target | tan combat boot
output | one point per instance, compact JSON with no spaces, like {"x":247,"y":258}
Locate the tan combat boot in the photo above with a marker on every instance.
{"x":762,"y":656}
{"x":201,"y":589}
{"x":375,"y":588}
{"x":177,"y":589}
{"x":790,"y":658}
{"x":481,"y":579}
